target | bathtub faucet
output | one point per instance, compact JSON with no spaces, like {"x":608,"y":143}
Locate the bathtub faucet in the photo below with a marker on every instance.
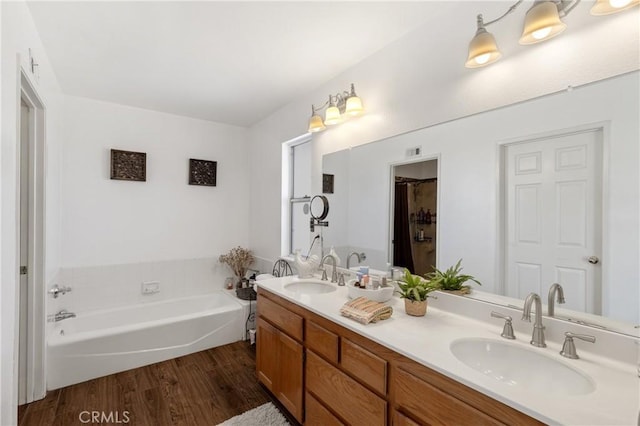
{"x":62,"y":315}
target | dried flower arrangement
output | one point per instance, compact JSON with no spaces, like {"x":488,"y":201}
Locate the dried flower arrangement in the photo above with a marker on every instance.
{"x":239,"y":259}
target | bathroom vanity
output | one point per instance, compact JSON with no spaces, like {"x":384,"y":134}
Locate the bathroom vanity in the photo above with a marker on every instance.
{"x":330,"y":370}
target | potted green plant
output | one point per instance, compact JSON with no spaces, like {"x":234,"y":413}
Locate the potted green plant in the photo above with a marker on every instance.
{"x":451,"y":279}
{"x":415,"y":291}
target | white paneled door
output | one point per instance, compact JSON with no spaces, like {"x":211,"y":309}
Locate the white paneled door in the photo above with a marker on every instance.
{"x":553,"y":212}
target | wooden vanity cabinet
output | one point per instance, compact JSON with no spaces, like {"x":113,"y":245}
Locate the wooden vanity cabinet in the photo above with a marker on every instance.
{"x":280,"y":357}
{"x":325,"y":374}
{"x":428,"y":397}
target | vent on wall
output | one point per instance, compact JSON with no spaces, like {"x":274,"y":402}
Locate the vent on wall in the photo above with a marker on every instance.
{"x":416,"y":151}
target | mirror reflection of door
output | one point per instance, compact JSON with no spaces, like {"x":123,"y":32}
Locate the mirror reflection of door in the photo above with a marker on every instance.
{"x":553,"y":218}
{"x":415,"y":216}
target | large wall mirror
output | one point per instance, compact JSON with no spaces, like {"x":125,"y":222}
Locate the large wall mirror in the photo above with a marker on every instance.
{"x":543,"y":191}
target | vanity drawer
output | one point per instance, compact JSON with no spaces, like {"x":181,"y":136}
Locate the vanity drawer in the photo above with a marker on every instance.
{"x":322,"y":341}
{"x":317,"y":415}
{"x":432,"y":406}
{"x":282,"y":318}
{"x":366,"y":366}
{"x":400,"y":419}
{"x":346,"y":397}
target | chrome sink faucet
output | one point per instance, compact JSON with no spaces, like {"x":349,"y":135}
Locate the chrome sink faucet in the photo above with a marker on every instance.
{"x":360,"y":256}
{"x":553,"y":290}
{"x":537,"y":339}
{"x":334,"y":274}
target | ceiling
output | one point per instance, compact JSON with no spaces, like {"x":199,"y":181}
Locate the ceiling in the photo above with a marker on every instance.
{"x":229,"y":62}
{"x":237,"y":62}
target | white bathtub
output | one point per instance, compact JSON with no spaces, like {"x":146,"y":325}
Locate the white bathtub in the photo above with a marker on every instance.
{"x":99,"y":343}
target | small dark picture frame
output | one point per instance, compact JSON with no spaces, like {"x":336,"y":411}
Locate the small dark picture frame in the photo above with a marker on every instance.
{"x":327,"y":184}
{"x":128,"y":165}
{"x":202,"y":172}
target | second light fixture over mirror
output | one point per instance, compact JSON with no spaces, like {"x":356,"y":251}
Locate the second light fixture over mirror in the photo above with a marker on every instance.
{"x":542,"y":22}
{"x":339,"y":106}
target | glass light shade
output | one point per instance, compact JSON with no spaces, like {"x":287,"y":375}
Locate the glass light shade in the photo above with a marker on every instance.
{"x":542,"y":22}
{"x":483,"y":50}
{"x":316,"y":124}
{"x":332,"y":116}
{"x":607,"y":7}
{"x":354,"y":106}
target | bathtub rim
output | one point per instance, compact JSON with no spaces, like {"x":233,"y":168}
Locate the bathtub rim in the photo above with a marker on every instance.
{"x":55,"y":339}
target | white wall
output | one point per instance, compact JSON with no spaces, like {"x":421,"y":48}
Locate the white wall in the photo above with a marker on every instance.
{"x":17,"y":35}
{"x":109,"y":222}
{"x":427,"y":169}
{"x":405,"y":87}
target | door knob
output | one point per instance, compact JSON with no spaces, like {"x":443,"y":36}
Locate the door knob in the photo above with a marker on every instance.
{"x":593,"y":260}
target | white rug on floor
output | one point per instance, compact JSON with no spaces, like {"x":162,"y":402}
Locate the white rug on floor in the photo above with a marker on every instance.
{"x":264,"y":415}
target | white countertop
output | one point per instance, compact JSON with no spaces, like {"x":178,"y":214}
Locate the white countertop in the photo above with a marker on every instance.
{"x":615,"y":401}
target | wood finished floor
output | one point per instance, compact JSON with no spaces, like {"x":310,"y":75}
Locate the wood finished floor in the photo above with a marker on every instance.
{"x":204,"y":388}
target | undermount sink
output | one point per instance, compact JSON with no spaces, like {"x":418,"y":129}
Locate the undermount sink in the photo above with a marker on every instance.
{"x":310,"y":287}
{"x":521,"y":368}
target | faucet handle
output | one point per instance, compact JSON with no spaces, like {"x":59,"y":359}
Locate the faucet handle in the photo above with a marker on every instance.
{"x":569,"y":347}
{"x":324,"y":275}
{"x":507,"y":331}
{"x":341,"y":279}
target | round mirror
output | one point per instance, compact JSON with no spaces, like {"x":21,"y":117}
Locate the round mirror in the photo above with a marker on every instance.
{"x":319,"y":207}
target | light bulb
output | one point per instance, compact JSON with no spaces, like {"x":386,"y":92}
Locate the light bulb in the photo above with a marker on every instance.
{"x":619,"y":3}
{"x":354,"y":106}
{"x":332,"y":116}
{"x":482,"y":59}
{"x":483,"y":49}
{"x":542,"y":33}
{"x":316,"y":124}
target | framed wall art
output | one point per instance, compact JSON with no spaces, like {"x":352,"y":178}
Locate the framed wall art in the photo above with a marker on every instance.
{"x":327,"y":183}
{"x":202,"y":172}
{"x":128,"y":165}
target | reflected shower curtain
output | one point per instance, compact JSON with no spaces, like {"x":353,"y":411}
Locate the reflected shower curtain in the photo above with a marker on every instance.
{"x":401,"y":233}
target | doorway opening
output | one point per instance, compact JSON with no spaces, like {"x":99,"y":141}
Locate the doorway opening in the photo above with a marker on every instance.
{"x":31,"y":244}
{"x":415,"y":216}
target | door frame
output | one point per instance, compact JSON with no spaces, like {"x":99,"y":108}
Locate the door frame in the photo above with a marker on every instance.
{"x":501,"y":223}
{"x":392,"y":201}
{"x":35,"y":305}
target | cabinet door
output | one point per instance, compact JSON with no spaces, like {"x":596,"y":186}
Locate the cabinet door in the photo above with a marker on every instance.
{"x":267,"y":354}
{"x":289,"y":384}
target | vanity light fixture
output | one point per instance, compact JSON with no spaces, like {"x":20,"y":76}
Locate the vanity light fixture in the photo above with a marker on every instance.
{"x":542,"y":22}
{"x":483,"y":49}
{"x":338,"y":107}
{"x":607,"y":7}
